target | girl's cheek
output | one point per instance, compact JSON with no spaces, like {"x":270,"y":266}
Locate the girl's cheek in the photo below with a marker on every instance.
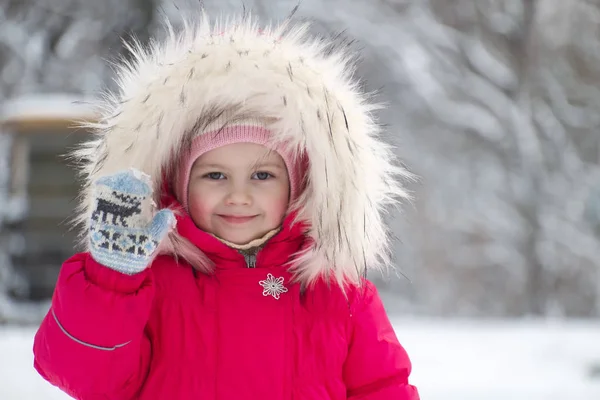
{"x":197,"y":202}
{"x":193,"y":201}
{"x":200,"y":215}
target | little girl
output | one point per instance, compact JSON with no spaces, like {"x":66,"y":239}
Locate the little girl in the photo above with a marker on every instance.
{"x":234,"y":203}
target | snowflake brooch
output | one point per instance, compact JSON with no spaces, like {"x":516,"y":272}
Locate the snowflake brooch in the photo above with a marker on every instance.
{"x":273,"y":286}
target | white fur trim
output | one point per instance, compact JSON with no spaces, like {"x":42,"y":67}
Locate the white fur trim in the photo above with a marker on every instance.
{"x":167,"y":91}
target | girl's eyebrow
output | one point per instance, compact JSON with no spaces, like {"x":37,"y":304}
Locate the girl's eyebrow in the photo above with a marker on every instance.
{"x":254,"y":166}
{"x":211,"y":166}
{"x":268,"y":165}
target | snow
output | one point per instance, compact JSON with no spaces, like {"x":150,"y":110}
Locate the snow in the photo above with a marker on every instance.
{"x":54,"y":106}
{"x":452,"y":360}
{"x":501,"y":360}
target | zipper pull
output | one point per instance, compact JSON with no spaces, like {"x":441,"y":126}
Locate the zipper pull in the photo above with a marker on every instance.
{"x":250,"y":260}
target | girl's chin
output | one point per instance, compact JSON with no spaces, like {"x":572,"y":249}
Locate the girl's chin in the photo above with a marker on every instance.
{"x":239,"y":239}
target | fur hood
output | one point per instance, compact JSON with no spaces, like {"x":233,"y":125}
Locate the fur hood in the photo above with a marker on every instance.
{"x":305,"y":85}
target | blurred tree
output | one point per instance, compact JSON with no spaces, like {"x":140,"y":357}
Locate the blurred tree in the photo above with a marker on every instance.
{"x":62,"y":45}
{"x":511,"y":88}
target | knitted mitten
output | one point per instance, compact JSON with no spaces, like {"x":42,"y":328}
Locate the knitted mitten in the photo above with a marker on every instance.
{"x":122,"y":237}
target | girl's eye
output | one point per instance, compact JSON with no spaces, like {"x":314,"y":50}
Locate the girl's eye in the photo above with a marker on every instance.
{"x":214,"y":176}
{"x":262,"y":176}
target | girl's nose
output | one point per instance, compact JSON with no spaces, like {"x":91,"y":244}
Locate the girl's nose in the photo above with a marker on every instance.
{"x":239,"y":195}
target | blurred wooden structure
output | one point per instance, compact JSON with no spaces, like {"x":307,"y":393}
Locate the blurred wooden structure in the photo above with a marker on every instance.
{"x":43,"y":130}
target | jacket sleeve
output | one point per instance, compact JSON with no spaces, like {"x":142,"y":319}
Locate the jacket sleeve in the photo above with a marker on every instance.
{"x":377,"y":366}
{"x":92,"y":344}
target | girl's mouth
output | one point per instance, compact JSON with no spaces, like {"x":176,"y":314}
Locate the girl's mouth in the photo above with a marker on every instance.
{"x":237,"y":219}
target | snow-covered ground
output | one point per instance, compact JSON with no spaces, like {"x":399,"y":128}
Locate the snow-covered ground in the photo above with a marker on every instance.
{"x":452,"y":360}
{"x":502,"y":360}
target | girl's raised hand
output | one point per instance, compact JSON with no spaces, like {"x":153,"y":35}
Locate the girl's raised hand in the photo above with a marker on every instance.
{"x":124,"y":235}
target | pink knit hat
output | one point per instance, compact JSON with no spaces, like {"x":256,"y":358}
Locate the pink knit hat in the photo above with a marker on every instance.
{"x":217,"y":134}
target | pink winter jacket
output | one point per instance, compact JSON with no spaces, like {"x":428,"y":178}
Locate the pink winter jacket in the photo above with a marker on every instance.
{"x":173,"y":333}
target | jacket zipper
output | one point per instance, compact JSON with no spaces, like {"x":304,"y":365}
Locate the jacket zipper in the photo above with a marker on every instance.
{"x":250,"y":260}
{"x":250,"y":256}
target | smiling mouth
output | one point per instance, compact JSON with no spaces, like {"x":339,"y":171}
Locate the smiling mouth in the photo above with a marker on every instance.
{"x":234,"y":219}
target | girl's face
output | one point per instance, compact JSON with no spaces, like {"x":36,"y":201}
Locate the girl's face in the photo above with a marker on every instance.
{"x":238,"y":192}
